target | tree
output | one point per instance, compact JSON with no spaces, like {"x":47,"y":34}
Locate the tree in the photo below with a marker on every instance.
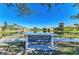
{"x":61,"y":27}
{"x":34,"y":29}
{"x":5,"y":27}
{"x":14,"y":24}
{"x":76,"y":5}
{"x":5,"y":24}
{"x":21,"y":7}
{"x":75,"y":16}
{"x":48,"y":29}
{"x":76,"y":24}
{"x":44,"y":29}
{"x":24,"y":10}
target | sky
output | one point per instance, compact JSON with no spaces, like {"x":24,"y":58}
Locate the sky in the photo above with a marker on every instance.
{"x":41,"y":16}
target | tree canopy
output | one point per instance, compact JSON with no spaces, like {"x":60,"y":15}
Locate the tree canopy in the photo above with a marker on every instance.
{"x":24,"y":10}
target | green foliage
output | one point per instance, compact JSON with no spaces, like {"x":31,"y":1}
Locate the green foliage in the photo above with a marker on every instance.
{"x":35,"y":29}
{"x":44,"y":29}
{"x":48,"y":29}
{"x":5,"y":26}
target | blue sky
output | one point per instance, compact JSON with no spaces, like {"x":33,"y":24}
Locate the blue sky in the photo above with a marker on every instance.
{"x":41,"y":16}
